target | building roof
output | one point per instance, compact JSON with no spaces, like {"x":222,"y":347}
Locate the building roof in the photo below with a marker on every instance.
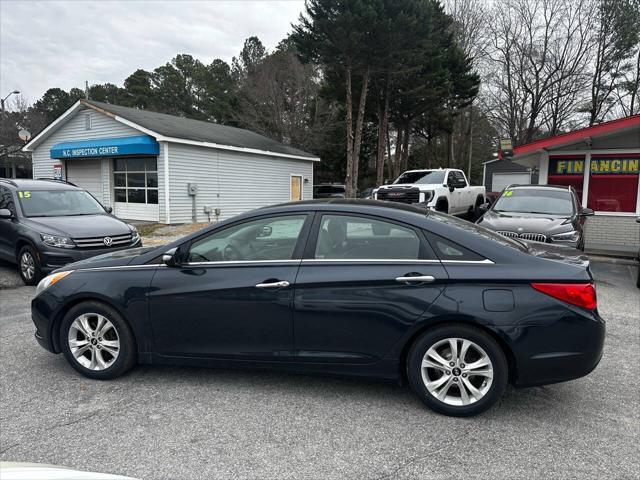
{"x":575,"y":136}
{"x":172,"y":128}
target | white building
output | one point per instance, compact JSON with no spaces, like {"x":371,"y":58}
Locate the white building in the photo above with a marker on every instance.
{"x":158,"y":167}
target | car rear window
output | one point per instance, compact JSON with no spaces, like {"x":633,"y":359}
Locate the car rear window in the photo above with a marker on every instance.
{"x":478,"y":230}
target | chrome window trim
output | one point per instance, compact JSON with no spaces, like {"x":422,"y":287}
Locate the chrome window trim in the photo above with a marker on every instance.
{"x":367,"y":260}
{"x":307,"y":261}
{"x":486,"y":261}
{"x":238,"y":262}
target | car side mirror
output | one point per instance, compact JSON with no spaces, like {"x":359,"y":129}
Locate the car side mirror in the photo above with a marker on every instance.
{"x":108,"y":209}
{"x":586,"y":212}
{"x":5,"y":214}
{"x":484,"y":207}
{"x":170,"y":257}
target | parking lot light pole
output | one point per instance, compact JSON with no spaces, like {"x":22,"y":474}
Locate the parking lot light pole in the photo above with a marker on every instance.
{"x":15,"y":92}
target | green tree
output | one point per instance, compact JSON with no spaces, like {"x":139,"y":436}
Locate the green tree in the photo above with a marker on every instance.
{"x":56,"y":101}
{"x":617,"y":37}
{"x":339,"y":36}
{"x":106,"y":92}
{"x":138,"y":92}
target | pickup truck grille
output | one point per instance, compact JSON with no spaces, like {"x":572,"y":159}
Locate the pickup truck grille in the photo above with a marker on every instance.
{"x":402,"y":195}
{"x":107,"y":241}
{"x":534,"y":237}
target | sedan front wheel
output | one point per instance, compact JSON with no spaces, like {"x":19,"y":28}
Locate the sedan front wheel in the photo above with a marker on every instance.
{"x":97,"y":341}
{"x":457,"y":370}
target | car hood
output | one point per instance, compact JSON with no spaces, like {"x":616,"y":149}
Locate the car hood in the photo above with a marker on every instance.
{"x":79,"y":226}
{"x":421,"y":186}
{"x":529,"y":222}
{"x":113,"y":259}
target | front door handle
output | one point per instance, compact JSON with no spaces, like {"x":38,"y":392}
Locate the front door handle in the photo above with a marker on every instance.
{"x":416,"y":279}
{"x":279,"y":284}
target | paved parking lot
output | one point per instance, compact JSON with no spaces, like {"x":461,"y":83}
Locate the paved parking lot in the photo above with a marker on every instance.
{"x":188,"y":423}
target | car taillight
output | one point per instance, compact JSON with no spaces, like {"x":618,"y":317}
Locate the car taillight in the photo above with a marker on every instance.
{"x":580,"y":294}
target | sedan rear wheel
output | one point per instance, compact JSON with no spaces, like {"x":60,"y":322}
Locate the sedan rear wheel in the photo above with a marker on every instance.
{"x":97,"y":341}
{"x":457,"y":370}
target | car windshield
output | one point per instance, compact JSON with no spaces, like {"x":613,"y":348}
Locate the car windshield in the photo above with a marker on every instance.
{"x":430,"y":177}
{"x":58,"y":203}
{"x":530,"y":200}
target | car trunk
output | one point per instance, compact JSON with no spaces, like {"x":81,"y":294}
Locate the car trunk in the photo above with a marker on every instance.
{"x":559,"y":253}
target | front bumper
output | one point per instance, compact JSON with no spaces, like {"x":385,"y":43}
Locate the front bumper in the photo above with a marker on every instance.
{"x":42,"y":314}
{"x":52,"y":258}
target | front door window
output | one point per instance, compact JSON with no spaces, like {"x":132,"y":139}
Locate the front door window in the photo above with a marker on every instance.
{"x":271,"y":238}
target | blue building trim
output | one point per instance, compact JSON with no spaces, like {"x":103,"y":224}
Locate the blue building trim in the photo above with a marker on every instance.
{"x":107,"y":147}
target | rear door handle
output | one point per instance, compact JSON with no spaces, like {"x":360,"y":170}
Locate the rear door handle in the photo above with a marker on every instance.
{"x":280,"y":284}
{"x":416,"y":279}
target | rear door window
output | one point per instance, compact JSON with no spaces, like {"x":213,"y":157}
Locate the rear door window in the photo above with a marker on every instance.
{"x":356,"y":238}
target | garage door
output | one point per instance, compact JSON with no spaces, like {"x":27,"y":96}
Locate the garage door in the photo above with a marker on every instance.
{"x":502,"y":180}
{"x":86,"y":174}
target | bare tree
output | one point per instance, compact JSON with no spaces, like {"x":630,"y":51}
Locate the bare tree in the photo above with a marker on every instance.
{"x":537,"y":63}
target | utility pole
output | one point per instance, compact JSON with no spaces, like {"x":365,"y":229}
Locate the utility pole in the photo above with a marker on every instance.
{"x":15,"y":92}
{"x":470,"y":142}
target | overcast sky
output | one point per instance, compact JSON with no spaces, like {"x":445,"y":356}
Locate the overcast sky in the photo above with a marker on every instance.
{"x":63,"y":43}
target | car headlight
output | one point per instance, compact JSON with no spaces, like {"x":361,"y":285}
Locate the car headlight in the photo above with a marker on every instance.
{"x":50,"y":280}
{"x":56,"y":241}
{"x":428,"y":196}
{"x":571,"y":236}
{"x":135,"y":235}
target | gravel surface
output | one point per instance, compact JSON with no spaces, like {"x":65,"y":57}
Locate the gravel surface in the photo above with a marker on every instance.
{"x":187,"y":423}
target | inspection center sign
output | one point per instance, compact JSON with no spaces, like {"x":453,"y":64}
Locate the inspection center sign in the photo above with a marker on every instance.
{"x":597,"y":166}
{"x":106,"y":147}
{"x":89,"y":152}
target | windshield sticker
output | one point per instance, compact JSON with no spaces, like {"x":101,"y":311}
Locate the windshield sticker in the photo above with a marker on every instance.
{"x":24,"y":194}
{"x":507,"y":193}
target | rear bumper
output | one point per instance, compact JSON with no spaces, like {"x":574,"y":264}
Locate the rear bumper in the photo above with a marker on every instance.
{"x":570,"y":348}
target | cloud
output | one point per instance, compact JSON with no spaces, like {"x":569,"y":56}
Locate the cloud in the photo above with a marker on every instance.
{"x":61,"y":44}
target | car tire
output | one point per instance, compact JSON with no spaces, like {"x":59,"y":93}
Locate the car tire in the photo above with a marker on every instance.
{"x":441,"y":388}
{"x":442,"y":206}
{"x":29,"y":265}
{"x":97,"y":341}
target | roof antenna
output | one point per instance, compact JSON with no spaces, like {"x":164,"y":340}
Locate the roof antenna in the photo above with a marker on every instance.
{"x":86,"y":90}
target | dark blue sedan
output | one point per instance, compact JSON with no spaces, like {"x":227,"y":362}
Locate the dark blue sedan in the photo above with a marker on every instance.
{"x":341,"y":287}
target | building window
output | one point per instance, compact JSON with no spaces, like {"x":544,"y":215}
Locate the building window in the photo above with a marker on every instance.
{"x":567,"y":171}
{"x":613,"y":184}
{"x":87,"y":121}
{"x":135,"y":180}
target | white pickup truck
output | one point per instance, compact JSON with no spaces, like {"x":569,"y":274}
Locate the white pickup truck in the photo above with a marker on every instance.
{"x":445,"y":190}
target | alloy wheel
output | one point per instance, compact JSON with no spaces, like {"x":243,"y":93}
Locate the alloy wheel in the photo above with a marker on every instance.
{"x":457,"y":371}
{"x":27,"y":265}
{"x":94,"y":341}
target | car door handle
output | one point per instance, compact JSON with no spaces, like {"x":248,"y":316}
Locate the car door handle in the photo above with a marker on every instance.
{"x":416,"y":279}
{"x":279,"y":284}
